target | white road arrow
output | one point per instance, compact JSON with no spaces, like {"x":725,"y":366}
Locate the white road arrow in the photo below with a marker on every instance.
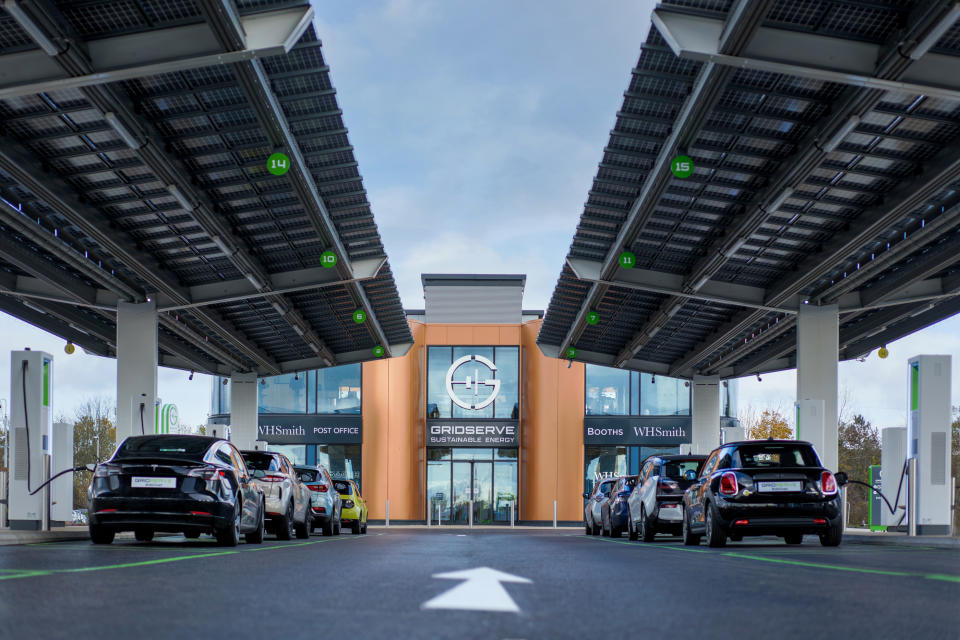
{"x":482,"y":591}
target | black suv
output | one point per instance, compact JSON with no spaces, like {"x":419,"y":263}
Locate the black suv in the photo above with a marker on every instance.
{"x":763,"y":487}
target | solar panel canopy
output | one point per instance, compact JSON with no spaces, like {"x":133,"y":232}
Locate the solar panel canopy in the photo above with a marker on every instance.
{"x":135,"y":137}
{"x":823,"y":141}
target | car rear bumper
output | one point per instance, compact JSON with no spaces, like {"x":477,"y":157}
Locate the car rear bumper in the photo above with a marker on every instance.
{"x":761,"y":526}
{"x":670,"y":511}
{"x":160,"y":514}
{"x":778,"y":518}
{"x":348,"y":515}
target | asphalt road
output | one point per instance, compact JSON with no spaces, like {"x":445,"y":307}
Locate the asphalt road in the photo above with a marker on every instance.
{"x":375,"y":586}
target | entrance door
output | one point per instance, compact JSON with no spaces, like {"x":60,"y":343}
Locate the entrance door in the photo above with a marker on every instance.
{"x":487,"y":477}
{"x":473,"y":480}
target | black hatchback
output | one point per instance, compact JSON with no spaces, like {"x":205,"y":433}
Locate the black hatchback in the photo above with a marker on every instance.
{"x":175,"y":484}
{"x":763,"y":487}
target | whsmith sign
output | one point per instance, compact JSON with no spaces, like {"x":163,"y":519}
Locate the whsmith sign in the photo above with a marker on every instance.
{"x":637,"y":430}
{"x":472,"y":433}
{"x":283,"y":428}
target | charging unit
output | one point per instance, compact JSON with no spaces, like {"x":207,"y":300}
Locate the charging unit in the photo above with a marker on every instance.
{"x":61,"y":507}
{"x":31,"y":399}
{"x":892,"y":459}
{"x":928,"y":440}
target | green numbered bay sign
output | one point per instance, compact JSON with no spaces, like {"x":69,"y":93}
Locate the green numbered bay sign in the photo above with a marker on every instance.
{"x":682,"y":166}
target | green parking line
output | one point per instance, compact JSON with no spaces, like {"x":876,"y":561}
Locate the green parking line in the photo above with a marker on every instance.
{"x":29,"y":573}
{"x":798,"y":563}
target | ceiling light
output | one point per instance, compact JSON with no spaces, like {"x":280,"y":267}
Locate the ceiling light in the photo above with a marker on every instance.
{"x":278,"y":308}
{"x":217,"y":240}
{"x":837,"y":138}
{"x":32,"y":28}
{"x":699,"y":285}
{"x":778,"y":202}
{"x":297,"y":328}
{"x":653,"y":331}
{"x":254,"y":280}
{"x":933,"y":37}
{"x":125,"y":134}
{"x":180,"y":197}
{"x":673,"y":310}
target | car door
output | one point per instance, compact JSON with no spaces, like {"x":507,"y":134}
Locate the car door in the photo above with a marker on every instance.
{"x":636,"y":496}
{"x":650,"y":477}
{"x":697,"y":492}
{"x":296,"y":489}
{"x":250,"y":495}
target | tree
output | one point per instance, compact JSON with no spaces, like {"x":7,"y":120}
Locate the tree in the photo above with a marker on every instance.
{"x":770,"y":424}
{"x":201,"y":429}
{"x":858,"y":449}
{"x":94,"y":437}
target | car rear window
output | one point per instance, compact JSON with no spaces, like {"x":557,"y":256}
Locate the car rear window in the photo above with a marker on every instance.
{"x":183,"y":447}
{"x":261,"y":462}
{"x":606,"y":485}
{"x":343,"y":487}
{"x":676,"y":469}
{"x":307,"y":475}
{"x":761,"y":456}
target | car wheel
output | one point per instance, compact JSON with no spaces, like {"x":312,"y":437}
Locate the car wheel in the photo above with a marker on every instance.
{"x":832,"y":537}
{"x":689,"y":538}
{"x":364,"y":532}
{"x":631,"y":530}
{"x":339,"y":529}
{"x":143,"y":535}
{"x":596,"y":529}
{"x":716,"y":536}
{"x":646,"y":527}
{"x":327,"y":527}
{"x":229,"y":536}
{"x":256,"y":536}
{"x":736,"y":537}
{"x":793,"y":538}
{"x":603,"y":529}
{"x":303,"y":529}
{"x":285,"y":524}
{"x":355,"y":528}
{"x":100,"y":535}
{"x":587,"y":527}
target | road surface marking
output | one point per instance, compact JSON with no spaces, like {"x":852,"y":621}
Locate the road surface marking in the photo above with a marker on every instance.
{"x":480,"y":591}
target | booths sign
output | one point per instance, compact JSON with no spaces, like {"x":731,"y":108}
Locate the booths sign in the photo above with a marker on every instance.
{"x":637,"y":430}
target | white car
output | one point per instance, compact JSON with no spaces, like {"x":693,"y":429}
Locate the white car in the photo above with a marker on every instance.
{"x":656,"y":503}
{"x":287,"y":498}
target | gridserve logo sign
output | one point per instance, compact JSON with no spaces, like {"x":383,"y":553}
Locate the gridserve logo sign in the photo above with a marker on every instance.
{"x":480,"y":388}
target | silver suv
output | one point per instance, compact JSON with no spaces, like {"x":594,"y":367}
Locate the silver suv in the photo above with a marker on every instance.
{"x":287,"y":498}
{"x":324,"y":498}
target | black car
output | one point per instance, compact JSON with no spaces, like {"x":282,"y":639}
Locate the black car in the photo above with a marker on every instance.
{"x":614,"y":510}
{"x":763,"y":487}
{"x":175,"y":484}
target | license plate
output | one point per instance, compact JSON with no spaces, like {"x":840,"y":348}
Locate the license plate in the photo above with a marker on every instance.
{"x":779,"y":486}
{"x":139,"y":482}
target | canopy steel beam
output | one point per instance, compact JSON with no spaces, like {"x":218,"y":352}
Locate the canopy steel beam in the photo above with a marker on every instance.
{"x":840,"y":60}
{"x":223,"y":17}
{"x":138,"y":55}
{"x":906,"y":326}
{"x":741,"y":22}
{"x":34,"y":314}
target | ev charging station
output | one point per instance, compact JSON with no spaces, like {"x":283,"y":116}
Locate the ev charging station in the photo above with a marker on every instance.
{"x":31,"y":435}
{"x":893,"y":479}
{"x":928,"y":442}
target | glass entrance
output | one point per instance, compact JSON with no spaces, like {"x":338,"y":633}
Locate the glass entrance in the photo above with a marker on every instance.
{"x":487,"y":476}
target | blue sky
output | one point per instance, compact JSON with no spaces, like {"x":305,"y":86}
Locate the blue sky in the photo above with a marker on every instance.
{"x":478,"y":128}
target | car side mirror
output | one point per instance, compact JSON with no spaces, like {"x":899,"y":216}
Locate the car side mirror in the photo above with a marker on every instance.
{"x":841,"y":477}
{"x":690,"y":474}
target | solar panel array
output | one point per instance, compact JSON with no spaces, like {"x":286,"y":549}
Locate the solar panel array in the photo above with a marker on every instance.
{"x":202,"y":121}
{"x":755,"y":126}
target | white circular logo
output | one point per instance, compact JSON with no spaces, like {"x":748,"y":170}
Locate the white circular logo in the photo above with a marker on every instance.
{"x":472,"y":383}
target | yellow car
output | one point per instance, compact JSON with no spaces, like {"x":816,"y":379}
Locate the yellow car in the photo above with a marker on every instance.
{"x":353,"y":508}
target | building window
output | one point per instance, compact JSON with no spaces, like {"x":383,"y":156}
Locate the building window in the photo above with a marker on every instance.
{"x":729,"y":398}
{"x":282,"y":394}
{"x":663,"y":396}
{"x":341,"y":460}
{"x":607,"y":391}
{"x":601,"y":463}
{"x":338,"y":389}
{"x":296,"y":452}
{"x":507,"y":363}
{"x":220,"y":396}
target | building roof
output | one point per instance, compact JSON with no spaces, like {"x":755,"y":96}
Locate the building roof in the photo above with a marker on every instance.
{"x":826,"y":165}
{"x":133,"y":165}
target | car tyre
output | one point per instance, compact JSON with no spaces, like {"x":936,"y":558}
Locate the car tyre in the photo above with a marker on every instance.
{"x":631,"y":530}
{"x":603,"y":529}
{"x":327,"y":527}
{"x":587,"y":527}
{"x":191,"y":535}
{"x":101,"y":535}
{"x":229,"y":536}
{"x":285,"y":524}
{"x":736,"y":537}
{"x":143,"y":535}
{"x":646,"y":528}
{"x":355,"y":528}
{"x":689,"y":538}
{"x":256,"y":536}
{"x":303,"y":529}
{"x":833,"y":536}
{"x":793,"y":538}
{"x":715,"y":534}
{"x":339,"y":528}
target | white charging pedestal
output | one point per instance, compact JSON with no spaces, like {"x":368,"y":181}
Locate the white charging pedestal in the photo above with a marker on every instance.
{"x":31,"y":399}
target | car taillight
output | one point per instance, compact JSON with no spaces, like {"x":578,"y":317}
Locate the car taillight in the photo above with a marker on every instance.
{"x":105,"y":470}
{"x":828,"y":484}
{"x":322,"y":488}
{"x":669,"y":506}
{"x":272,"y":478}
{"x":668,"y":485}
{"x":728,"y":484}
{"x":739,"y":523}
{"x":819,"y":521}
{"x":107,"y":511}
{"x":320,"y":509}
{"x":200,"y":513}
{"x":210,"y":476}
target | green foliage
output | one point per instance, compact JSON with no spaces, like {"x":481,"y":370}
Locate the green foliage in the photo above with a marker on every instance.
{"x":94,"y":438}
{"x":859,"y":447}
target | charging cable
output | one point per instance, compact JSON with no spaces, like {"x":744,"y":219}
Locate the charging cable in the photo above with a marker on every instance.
{"x":896,"y":500}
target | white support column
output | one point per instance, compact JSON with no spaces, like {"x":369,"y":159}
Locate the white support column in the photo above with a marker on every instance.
{"x":705,"y":407}
{"x":818,"y":353}
{"x":136,"y":368}
{"x":243,"y":410}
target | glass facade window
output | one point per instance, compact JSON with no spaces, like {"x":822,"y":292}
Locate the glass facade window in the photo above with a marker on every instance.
{"x":507,"y":402}
{"x":663,"y":396}
{"x":601,"y":463}
{"x":296,"y":452}
{"x":487,"y":477}
{"x":729,"y":398}
{"x":220,"y":396}
{"x":282,"y":394}
{"x":607,"y":391}
{"x":338,"y":389}
{"x":341,"y":460}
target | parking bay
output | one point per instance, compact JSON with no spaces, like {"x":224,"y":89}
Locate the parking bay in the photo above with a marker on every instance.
{"x":376,"y":586}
